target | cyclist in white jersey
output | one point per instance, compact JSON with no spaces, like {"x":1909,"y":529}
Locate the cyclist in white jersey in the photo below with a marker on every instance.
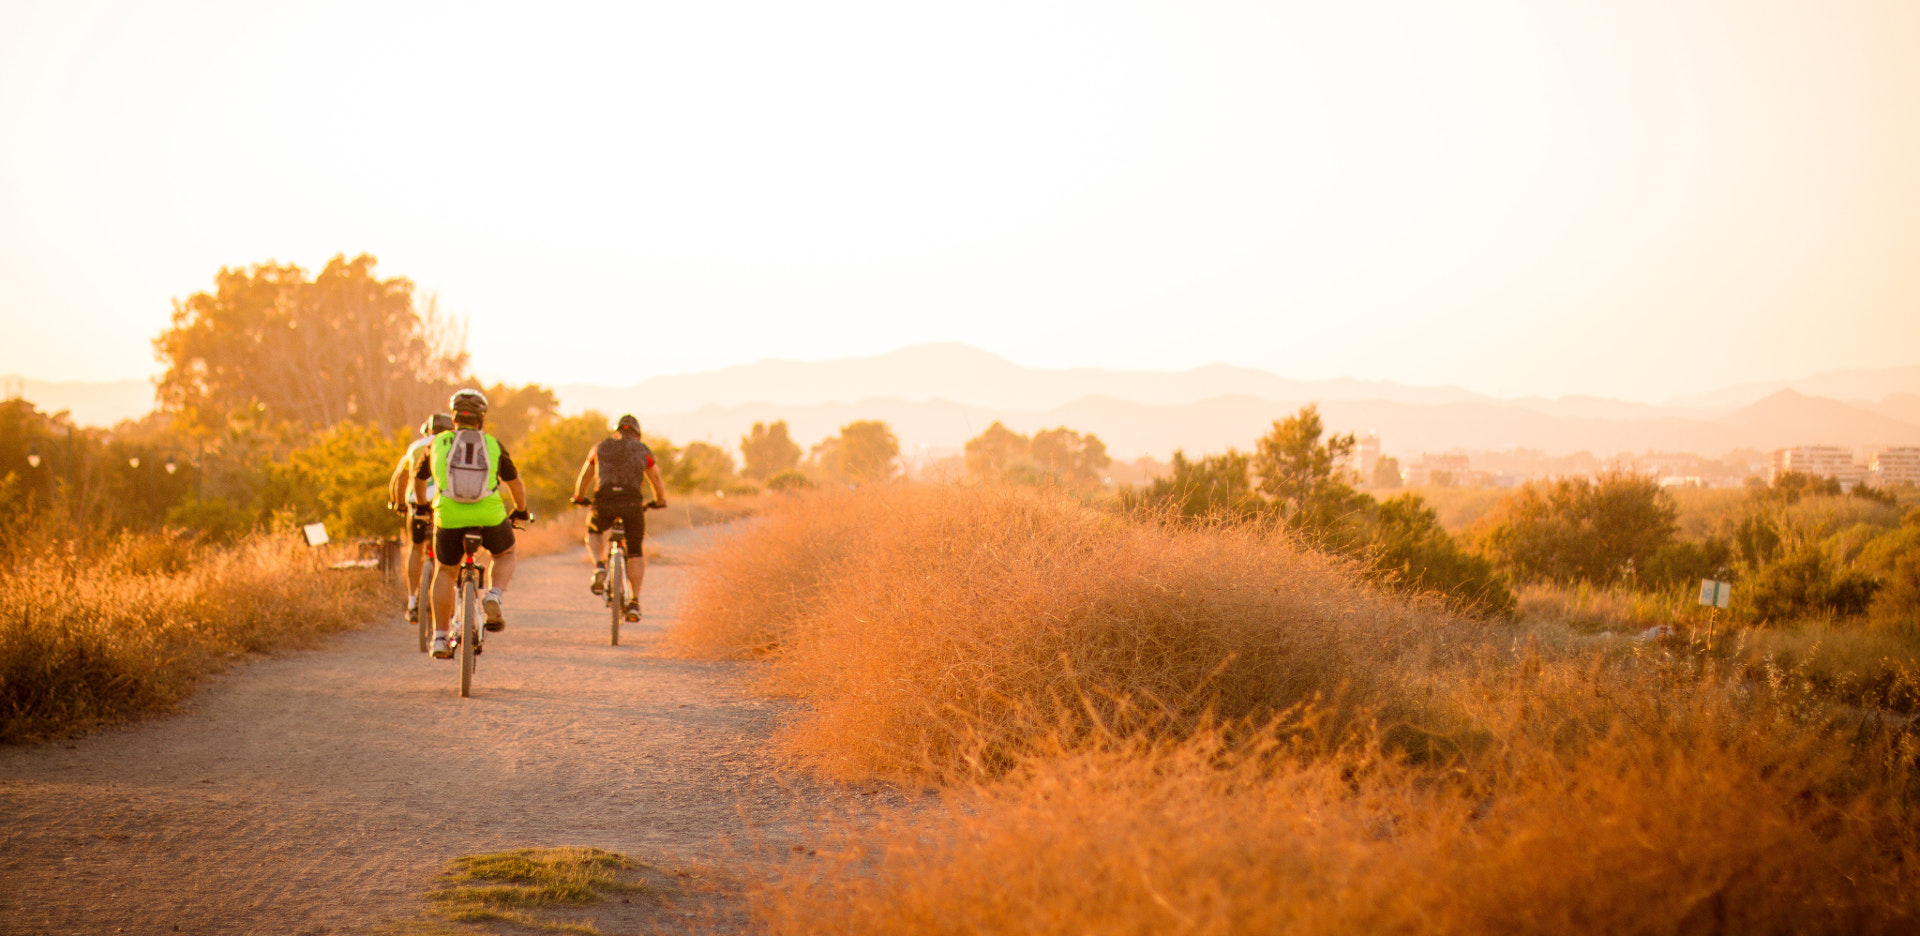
{"x":400,"y":499}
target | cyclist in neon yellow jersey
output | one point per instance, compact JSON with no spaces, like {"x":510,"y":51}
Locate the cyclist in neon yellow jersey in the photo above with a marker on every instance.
{"x":468,"y":468}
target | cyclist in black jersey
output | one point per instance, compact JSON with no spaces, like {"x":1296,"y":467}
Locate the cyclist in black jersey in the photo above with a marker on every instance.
{"x":613,"y":473}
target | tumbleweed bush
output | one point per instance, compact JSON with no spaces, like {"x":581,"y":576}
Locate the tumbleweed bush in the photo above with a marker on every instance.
{"x":937,"y":631}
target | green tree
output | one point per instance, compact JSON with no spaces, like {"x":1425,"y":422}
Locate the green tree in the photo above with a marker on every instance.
{"x":340,"y":478}
{"x":1300,"y":473}
{"x":1216,"y":487}
{"x":676,"y":472}
{"x":1411,"y":552}
{"x":1896,"y":606}
{"x":269,"y":345}
{"x":991,"y":453}
{"x":1069,"y":458}
{"x":1386,"y":472}
{"x":514,"y":412}
{"x":768,"y":450}
{"x":710,"y":463}
{"x":550,"y":459}
{"x":863,"y":453}
{"x":1579,"y":530}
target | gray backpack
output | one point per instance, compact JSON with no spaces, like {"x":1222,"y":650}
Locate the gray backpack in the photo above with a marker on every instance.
{"x":468,"y":467}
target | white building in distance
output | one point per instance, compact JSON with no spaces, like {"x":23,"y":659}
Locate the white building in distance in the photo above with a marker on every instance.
{"x":1821,"y":461}
{"x":1899,"y":465}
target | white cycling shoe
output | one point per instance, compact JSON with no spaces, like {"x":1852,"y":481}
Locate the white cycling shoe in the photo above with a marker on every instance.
{"x":491,"y":604}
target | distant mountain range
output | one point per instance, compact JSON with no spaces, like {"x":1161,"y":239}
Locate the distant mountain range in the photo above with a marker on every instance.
{"x":943,"y":394}
{"x":937,"y":396}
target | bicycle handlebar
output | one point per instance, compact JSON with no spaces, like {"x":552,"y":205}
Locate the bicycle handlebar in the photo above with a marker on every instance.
{"x":588,"y":502}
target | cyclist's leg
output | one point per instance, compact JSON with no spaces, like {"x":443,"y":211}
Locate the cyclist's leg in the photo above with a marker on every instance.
{"x":598,"y":542}
{"x":498,"y":542}
{"x":416,"y":555}
{"x":446,"y":546}
{"x":636,"y":525}
{"x":636,"y":572}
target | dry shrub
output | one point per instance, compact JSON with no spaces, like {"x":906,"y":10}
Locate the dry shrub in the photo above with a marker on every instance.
{"x":547,"y":536}
{"x":940,"y":631}
{"x":93,"y":636}
{"x":1592,"y":609}
{"x":1602,"y":803}
{"x":757,"y":586}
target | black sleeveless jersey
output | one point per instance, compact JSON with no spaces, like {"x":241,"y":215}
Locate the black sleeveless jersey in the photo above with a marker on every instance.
{"x":623,"y":465}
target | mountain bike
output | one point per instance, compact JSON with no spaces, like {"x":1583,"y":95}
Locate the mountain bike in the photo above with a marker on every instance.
{"x":466,"y":613}
{"x":615,"y":593}
{"x":467,"y":635}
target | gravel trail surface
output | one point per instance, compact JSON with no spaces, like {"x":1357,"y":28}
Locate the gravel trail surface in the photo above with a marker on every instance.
{"x":323,"y":791}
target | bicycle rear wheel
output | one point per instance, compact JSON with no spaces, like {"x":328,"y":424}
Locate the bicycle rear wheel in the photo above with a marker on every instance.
{"x":617,"y":589}
{"x":469,"y":632}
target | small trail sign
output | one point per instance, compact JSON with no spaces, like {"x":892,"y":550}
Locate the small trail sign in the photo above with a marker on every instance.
{"x":1715,"y":593}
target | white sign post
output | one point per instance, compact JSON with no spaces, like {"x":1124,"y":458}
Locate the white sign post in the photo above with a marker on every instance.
{"x":316,"y":534}
{"x":1715,"y":594}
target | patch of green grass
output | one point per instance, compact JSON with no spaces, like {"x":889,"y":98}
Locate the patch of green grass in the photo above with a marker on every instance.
{"x":517,"y":887}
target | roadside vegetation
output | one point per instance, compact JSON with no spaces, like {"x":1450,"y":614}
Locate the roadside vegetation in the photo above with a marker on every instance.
{"x":136,"y":560}
{"x":1229,"y":717}
{"x":109,"y":627}
{"x":534,"y":890}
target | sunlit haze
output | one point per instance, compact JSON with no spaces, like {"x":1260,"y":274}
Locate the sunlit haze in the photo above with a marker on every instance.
{"x":1629,"y":199}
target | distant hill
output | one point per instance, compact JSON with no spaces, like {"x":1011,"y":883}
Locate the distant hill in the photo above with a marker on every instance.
{"x":940,"y":395}
{"x":1850,"y":385}
{"x":1792,"y":418}
{"x":962,"y":374}
{"x":1131,"y":429}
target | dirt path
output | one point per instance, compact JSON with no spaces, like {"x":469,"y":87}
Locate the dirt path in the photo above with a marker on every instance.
{"x":323,"y":791}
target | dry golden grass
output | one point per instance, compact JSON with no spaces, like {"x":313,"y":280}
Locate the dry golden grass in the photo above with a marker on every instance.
{"x":1600,"y":801}
{"x":1208,"y":731}
{"x":93,"y":636}
{"x":558,"y":533}
{"x":549,"y":535}
{"x":1844,"y":661}
{"x":936,"y":632}
{"x":1597,"y":609}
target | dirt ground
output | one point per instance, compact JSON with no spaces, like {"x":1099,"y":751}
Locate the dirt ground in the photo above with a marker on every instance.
{"x":323,"y":791}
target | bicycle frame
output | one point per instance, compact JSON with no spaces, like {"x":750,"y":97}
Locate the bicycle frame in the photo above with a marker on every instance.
{"x":617,"y":576}
{"x":467,"y":612}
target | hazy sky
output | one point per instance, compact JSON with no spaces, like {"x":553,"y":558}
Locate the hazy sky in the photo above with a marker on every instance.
{"x":1634,"y":199}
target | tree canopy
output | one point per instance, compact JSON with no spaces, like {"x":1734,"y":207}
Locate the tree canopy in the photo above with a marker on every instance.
{"x":863,"y":452}
{"x":1301,"y":474}
{"x":768,"y":450}
{"x":269,"y":345}
{"x":1574,"y":529}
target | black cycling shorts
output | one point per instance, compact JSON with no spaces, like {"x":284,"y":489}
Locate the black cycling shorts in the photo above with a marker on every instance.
{"x":420,"y":528}
{"x":633,"y":516}
{"x":448,"y":548}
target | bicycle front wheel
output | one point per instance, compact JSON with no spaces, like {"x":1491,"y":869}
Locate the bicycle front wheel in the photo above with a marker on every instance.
{"x":617,"y":590}
{"x":469,"y":633}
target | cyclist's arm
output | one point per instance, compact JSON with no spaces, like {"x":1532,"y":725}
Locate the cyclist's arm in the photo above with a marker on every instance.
{"x":397,"y":485}
{"x":659,"y":489}
{"x":589,"y":477}
{"x":421,"y":475}
{"x":509,"y":475}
